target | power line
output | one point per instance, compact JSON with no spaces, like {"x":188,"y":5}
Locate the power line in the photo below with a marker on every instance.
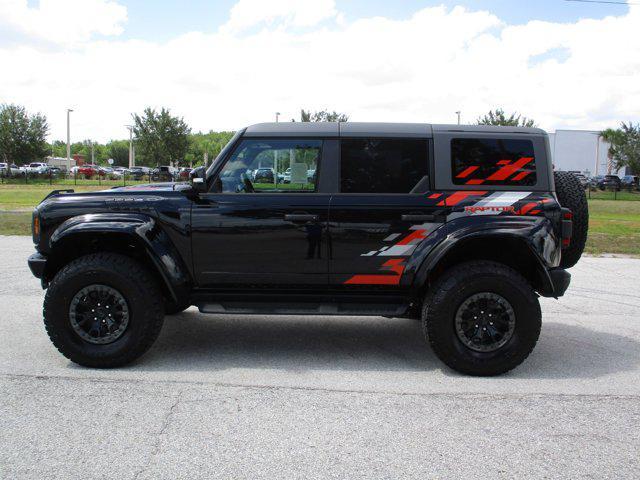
{"x":604,"y":1}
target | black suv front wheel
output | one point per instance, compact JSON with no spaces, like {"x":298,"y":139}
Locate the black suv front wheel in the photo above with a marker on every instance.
{"x":481,"y":318}
{"x":103,"y":310}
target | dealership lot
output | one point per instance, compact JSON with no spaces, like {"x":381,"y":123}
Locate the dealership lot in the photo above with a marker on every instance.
{"x":315,"y":397}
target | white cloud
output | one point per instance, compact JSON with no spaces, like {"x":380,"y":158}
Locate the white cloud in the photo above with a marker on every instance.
{"x":294,"y":55}
{"x":62,"y":21}
{"x":298,"y":13}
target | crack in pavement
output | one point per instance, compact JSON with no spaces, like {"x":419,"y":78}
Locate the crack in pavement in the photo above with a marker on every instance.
{"x":155,"y":448}
{"x":474,"y":395}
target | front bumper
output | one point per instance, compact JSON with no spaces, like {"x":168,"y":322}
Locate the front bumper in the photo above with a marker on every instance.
{"x":37,"y":263}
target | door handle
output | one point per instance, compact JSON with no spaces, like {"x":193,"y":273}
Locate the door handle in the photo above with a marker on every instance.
{"x":300,"y":217}
{"x":418,"y":218}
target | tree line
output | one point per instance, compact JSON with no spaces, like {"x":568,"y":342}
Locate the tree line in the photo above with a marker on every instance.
{"x":161,"y":138}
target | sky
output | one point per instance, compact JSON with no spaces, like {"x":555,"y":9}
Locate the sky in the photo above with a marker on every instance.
{"x":226,"y":64}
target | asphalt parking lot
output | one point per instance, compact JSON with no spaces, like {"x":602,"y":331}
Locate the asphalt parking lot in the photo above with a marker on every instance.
{"x":316,"y":397}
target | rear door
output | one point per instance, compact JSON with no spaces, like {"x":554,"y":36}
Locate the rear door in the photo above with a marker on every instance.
{"x":384,"y":211}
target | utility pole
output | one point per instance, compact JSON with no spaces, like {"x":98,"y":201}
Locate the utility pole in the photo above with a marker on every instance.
{"x":597,"y":153}
{"x":458,"y":113}
{"x":130,"y":145}
{"x":277,"y":116}
{"x":93,"y":155}
{"x":68,"y":141}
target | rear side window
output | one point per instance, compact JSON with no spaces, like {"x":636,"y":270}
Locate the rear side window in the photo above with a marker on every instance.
{"x":493,"y":161}
{"x":382,"y":165}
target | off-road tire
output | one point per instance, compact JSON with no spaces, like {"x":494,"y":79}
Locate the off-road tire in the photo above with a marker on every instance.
{"x":571,"y":195}
{"x":132,"y":280}
{"x":452,"y":289}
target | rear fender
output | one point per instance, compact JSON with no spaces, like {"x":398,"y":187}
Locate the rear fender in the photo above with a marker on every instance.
{"x":117,"y":232}
{"x":528,"y":244}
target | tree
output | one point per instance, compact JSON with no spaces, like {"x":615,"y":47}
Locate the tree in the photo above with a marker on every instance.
{"x":160,"y":137}
{"x":624,"y":149}
{"x":22,"y":136}
{"x":498,"y":117}
{"x":119,"y":151}
{"x":322,"y":116}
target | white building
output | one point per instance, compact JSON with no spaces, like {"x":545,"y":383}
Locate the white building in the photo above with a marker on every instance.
{"x":60,"y":162}
{"x":581,"y":151}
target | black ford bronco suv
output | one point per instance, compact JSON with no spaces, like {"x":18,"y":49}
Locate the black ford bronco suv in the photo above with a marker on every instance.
{"x":460,"y":227}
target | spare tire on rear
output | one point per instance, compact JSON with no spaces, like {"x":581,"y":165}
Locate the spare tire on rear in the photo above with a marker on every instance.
{"x":571,"y":195}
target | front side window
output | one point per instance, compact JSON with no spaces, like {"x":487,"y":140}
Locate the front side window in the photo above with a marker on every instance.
{"x":268,"y":166}
{"x":493,"y":161}
{"x":382,"y":165}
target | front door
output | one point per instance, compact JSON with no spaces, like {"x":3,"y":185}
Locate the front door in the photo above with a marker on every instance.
{"x":384,"y":212}
{"x":264,"y":223}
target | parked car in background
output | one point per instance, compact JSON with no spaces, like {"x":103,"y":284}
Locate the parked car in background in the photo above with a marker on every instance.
{"x":55,"y":171}
{"x":183,"y":173}
{"x":36,"y":168}
{"x":263,"y":175}
{"x":584,"y":181}
{"x":120,"y":172}
{"x":9,"y":170}
{"x":630,"y":182}
{"x":88,"y":170}
{"x":163,"y":174}
{"x":139,"y":173}
{"x":609,"y":182}
{"x":595,"y":181}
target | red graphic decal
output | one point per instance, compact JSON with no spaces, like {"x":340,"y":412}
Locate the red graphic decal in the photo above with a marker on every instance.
{"x":466,"y":172}
{"x":508,"y":170}
{"x":412,"y":237}
{"x":433,"y":196}
{"x":475,"y":181}
{"x":521,"y":175}
{"x":527,"y":208}
{"x":457,"y":197}
{"x":395,"y":265}
{"x":504,"y":162}
{"x":534,"y":212}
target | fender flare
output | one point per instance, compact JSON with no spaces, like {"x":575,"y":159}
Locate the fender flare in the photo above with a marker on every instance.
{"x":144,"y":232}
{"x":513,"y":232}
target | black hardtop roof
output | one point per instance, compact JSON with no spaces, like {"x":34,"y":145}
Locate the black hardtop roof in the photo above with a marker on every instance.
{"x":378,"y":129}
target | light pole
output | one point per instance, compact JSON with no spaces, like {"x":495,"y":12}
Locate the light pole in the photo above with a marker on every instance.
{"x":277,"y":116}
{"x":130,"y":127}
{"x":68,"y":141}
{"x":458,"y":113}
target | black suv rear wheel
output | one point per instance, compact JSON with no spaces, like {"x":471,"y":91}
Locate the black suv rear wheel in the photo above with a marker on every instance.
{"x":481,"y":318}
{"x":103,"y":310}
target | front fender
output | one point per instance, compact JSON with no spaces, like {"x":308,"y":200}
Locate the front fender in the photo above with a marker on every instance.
{"x":536,"y":234}
{"x":140,"y":230}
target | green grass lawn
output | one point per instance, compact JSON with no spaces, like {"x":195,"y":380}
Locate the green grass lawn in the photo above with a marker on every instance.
{"x":25,"y":197}
{"x":614,"y":226}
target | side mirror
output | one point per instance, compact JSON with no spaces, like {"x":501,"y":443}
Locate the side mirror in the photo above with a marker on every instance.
{"x":198,"y":180}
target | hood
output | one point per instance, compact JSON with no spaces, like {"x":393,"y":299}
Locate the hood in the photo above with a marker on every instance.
{"x":163,"y":187}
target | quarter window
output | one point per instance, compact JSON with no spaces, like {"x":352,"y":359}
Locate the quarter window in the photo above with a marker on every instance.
{"x":382,"y":165}
{"x":268,"y":166}
{"x":493,"y":161}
